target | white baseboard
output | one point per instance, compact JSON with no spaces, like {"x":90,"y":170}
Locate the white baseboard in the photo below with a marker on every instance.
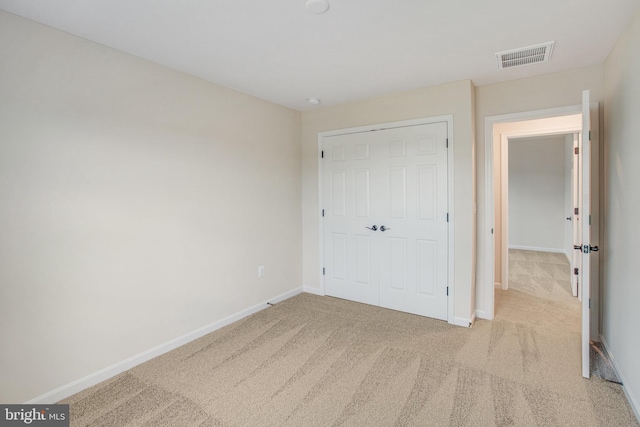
{"x":633,"y":402}
{"x":462,"y":321}
{"x":537,"y":249}
{"x":481,"y":314}
{"x":314,"y":291}
{"x":113,"y":370}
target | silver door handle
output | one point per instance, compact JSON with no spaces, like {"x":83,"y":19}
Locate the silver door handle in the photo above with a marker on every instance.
{"x":383,"y":228}
{"x":374,"y":228}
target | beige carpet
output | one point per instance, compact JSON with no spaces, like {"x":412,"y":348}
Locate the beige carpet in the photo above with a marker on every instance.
{"x":542,"y":274}
{"x":321,"y":361}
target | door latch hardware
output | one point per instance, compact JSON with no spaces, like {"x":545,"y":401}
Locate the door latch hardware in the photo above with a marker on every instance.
{"x":383,"y":228}
{"x":586,"y":248}
{"x":374,"y":228}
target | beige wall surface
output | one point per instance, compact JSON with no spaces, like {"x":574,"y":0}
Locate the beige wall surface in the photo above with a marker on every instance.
{"x":136,"y":204}
{"x":517,"y":96}
{"x":621,"y":298}
{"x":454,"y":98}
{"x":537,"y":195}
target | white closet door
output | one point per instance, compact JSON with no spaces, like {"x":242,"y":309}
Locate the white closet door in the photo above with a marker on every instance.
{"x":393,"y":180}
{"x":413,"y":249}
{"x":350,"y":269}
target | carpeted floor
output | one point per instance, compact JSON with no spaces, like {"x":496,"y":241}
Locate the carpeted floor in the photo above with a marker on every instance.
{"x":321,"y":361}
{"x":547,"y":275}
{"x":542,"y":274}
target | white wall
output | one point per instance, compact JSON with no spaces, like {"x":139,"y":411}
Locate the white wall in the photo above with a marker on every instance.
{"x":136,"y":204}
{"x":454,"y":98}
{"x":537,"y":193}
{"x":621,"y":251}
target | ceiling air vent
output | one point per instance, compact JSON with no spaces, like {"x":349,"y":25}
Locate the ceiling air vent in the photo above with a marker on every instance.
{"x":524,"y":56}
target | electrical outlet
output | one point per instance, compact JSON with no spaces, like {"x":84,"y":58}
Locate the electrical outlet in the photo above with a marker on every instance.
{"x":261,"y":271}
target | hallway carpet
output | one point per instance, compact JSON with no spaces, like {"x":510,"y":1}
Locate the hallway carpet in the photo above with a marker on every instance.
{"x":321,"y":361}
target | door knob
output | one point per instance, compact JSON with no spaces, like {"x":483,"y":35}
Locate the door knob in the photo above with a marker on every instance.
{"x":383,"y":228}
{"x":374,"y":228}
{"x":568,"y":218}
{"x":586,"y":248}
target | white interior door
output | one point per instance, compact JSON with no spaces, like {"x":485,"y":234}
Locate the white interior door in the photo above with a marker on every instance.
{"x":413,"y":249}
{"x":385,"y":218}
{"x":576,"y":258}
{"x":349,"y":252}
{"x":585,"y":210}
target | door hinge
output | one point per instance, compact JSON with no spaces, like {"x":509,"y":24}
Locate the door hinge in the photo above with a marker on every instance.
{"x":492,"y":231}
{"x":576,"y":211}
{"x":447,"y":216}
{"x":322,"y":212}
{"x":447,"y":291}
{"x":323,"y":271}
{"x":447,"y":145}
{"x":589,"y":135}
{"x":589,"y":219}
{"x":575,"y":271}
{"x":589,"y":303}
{"x":322,"y":154}
{"x":575,"y":150}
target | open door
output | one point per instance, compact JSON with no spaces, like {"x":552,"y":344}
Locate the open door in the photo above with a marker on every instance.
{"x":584,"y":280}
{"x":576,"y":257}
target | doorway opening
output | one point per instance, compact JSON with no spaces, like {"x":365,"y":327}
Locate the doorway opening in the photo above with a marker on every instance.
{"x":536,"y":256}
{"x":537,"y":196}
{"x":557,"y":121}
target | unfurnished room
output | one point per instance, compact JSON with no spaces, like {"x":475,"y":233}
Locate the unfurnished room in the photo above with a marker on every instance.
{"x":319,"y":213}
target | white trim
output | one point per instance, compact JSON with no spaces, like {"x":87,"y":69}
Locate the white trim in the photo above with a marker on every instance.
{"x":465,"y":322}
{"x":314,"y":291}
{"x":537,"y":249}
{"x":489,"y":220}
{"x":321,"y":135}
{"x":633,"y":402}
{"x":383,"y":126}
{"x":452,"y":216}
{"x":504,"y":210}
{"x":450,"y":193}
{"x":113,"y":370}
{"x":481,"y":314}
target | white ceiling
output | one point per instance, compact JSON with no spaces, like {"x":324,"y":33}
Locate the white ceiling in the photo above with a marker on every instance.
{"x":277,"y":50}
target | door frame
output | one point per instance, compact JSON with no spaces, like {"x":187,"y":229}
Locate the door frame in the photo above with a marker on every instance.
{"x":450,"y":193}
{"x":489,"y":247}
